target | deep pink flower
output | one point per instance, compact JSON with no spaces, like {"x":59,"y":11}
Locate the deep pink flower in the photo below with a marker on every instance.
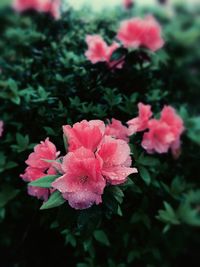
{"x":158,"y":138}
{"x":82,"y":183}
{"x":128,"y":3}
{"x":117,"y":130}
{"x":22,"y":5}
{"x":140,"y":123}
{"x":49,"y":6}
{"x":114,"y":155}
{"x":1,"y":128}
{"x":85,"y":133}
{"x":44,"y":151}
{"x":169,"y":116}
{"x":99,"y":51}
{"x":164,"y":134}
{"x":138,"y":32}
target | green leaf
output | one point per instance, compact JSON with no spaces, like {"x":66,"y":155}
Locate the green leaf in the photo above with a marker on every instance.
{"x":168,"y":215}
{"x":101,"y":237}
{"x":145,"y":175}
{"x":118,"y":54}
{"x":54,"y":200}
{"x":44,"y":182}
{"x":147,"y":161}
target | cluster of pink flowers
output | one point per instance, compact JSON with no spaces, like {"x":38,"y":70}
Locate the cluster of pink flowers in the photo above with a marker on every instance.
{"x":97,"y":156}
{"x":47,"y":6}
{"x":1,"y":128}
{"x":139,"y":32}
{"x":40,"y":164}
{"x":163,"y":133}
{"x":133,"y":33}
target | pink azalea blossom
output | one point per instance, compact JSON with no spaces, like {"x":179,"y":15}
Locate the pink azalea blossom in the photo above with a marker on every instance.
{"x":44,"y":151}
{"x":85,"y":133}
{"x":117,"y":130}
{"x":38,"y":167}
{"x":169,"y":116}
{"x":99,"y":51}
{"x":38,"y":192}
{"x":164,"y":134}
{"x":32,"y":174}
{"x":82,"y":183}
{"x":158,"y":138}
{"x":128,"y":3}
{"x":140,"y":123}
{"x":114,"y":155}
{"x":1,"y":128}
{"x":139,"y":32}
{"x":47,"y":6}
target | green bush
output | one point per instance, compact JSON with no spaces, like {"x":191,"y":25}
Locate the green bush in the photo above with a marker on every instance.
{"x":46,"y":82}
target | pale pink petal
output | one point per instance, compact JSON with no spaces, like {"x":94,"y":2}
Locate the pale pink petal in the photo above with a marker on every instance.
{"x":117,"y":174}
{"x":83,"y":199}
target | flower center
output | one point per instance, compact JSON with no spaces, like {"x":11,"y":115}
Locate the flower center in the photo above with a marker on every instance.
{"x":83,"y":179}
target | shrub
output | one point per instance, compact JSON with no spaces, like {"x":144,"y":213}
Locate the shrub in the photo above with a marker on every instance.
{"x":46,"y":82}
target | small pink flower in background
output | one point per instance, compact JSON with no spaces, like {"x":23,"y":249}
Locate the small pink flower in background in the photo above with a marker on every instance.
{"x":1,"y":128}
{"x":165,"y":133}
{"x":50,"y":6}
{"x":22,"y":5}
{"x":139,"y":32}
{"x":117,"y":130}
{"x":169,"y":116}
{"x":86,"y":134}
{"x":140,"y":123}
{"x":128,"y":3}
{"x":99,"y":51}
{"x":158,"y":138}
{"x":82,"y":183}
{"x":114,"y":155}
{"x":47,"y":6}
{"x":38,"y":167}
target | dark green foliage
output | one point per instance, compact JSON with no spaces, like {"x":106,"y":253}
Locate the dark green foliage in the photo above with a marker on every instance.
{"x":46,"y":82}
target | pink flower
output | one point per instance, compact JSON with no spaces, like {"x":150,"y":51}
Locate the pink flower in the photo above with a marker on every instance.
{"x":82,"y":183}
{"x":169,"y":116}
{"x":44,"y":151}
{"x":140,"y":123}
{"x":32,"y":174}
{"x":164,"y":134}
{"x":99,"y":51}
{"x":40,"y":193}
{"x":117,"y":130}
{"x":128,"y":3}
{"x":86,"y":134}
{"x":138,"y":32}
{"x":38,"y":167}
{"x":22,"y":5}
{"x":48,"y":6}
{"x":114,"y":155}
{"x":158,"y":138}
{"x":1,"y":128}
